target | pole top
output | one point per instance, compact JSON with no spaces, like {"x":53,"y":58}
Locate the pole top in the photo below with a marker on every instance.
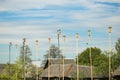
{"x":59,"y":31}
{"x":64,"y":37}
{"x":36,"y":42}
{"x":24,"y":39}
{"x":49,"y":39}
{"x":10,"y":43}
{"x":109,"y":29}
{"x":77,"y":35}
{"x":89,"y":32}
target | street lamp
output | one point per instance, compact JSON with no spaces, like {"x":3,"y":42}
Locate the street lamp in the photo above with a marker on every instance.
{"x":91,"y":71}
{"x":109,"y":30}
{"x":24,"y":40}
{"x":77,"y":36}
{"x":64,"y":38}
{"x":58,"y":33}
{"x":49,"y":39}
{"x":10,"y":44}
{"x":37,"y":59}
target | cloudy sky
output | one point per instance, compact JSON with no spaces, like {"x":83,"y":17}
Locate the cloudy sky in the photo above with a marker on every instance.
{"x":40,"y":19}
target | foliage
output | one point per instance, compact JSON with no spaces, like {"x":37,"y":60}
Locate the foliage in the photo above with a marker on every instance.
{"x":99,"y":59}
{"x":15,"y":71}
{"x":84,"y":57}
{"x":116,"y":56}
{"x":101,"y":63}
{"x":117,"y":46}
{"x":10,"y":72}
{"x":54,"y":53}
{"x":24,"y":53}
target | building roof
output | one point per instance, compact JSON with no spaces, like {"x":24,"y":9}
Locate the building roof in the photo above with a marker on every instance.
{"x":58,"y":61}
{"x":70,"y":70}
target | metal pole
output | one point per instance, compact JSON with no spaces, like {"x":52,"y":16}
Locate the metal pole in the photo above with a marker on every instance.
{"x":10,"y":44}
{"x":59,"y":32}
{"x":24,"y":40}
{"x":109,"y":30}
{"x":63,"y":53}
{"x":16,"y":64}
{"x":49,"y":59}
{"x":37,"y":59}
{"x":91,"y":71}
{"x":77,"y":35}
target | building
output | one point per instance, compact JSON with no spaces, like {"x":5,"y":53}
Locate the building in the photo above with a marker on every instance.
{"x":116,"y":74}
{"x":55,"y":68}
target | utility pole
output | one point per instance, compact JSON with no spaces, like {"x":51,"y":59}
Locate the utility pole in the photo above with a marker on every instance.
{"x":49,"y":39}
{"x":10,"y":44}
{"x":37,"y":59}
{"x":64,"y":37}
{"x":91,"y":70}
{"x":77,"y":35}
{"x":58,"y":33}
{"x":24,"y":40}
{"x":109,"y":30}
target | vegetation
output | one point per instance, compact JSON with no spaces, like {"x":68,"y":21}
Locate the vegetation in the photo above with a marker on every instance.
{"x":15,"y":71}
{"x":54,"y":53}
{"x":99,"y":59}
{"x":20,"y":61}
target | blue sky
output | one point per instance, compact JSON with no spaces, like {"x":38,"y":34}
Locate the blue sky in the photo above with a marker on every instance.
{"x":40,"y":19}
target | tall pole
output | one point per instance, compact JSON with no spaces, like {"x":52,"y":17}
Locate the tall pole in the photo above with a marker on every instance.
{"x":49,"y":39}
{"x":64,"y":37}
{"x":90,"y":53}
{"x":77,"y":35}
{"x":24,"y":40}
{"x":10,"y":44}
{"x":109,"y":30}
{"x":16,"y":64}
{"x":37,"y":59}
{"x":58,"y":33}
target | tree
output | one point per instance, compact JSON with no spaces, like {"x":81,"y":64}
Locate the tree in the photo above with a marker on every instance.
{"x":117,"y":46}
{"x":101,"y":63}
{"x":16,"y":70}
{"x":20,"y":61}
{"x":99,"y":60}
{"x":84,"y":57}
{"x":9,"y":75}
{"x":54,"y":53}
{"x":116,"y":56}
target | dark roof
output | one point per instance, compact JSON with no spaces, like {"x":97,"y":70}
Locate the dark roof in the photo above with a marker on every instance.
{"x":59,"y":61}
{"x":70,"y":70}
{"x":117,"y":72}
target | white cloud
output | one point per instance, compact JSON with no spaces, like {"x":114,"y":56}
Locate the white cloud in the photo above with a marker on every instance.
{"x":112,"y":1}
{"x":30,"y":4}
{"x":96,"y":17}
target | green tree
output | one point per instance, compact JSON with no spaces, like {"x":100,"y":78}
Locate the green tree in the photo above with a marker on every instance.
{"x":99,"y":60}
{"x":116,"y":55}
{"x":84,"y":57}
{"x":117,"y":46}
{"x":9,"y":72}
{"x":24,"y":53}
{"x":101,"y":63}
{"x":54,"y":53}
